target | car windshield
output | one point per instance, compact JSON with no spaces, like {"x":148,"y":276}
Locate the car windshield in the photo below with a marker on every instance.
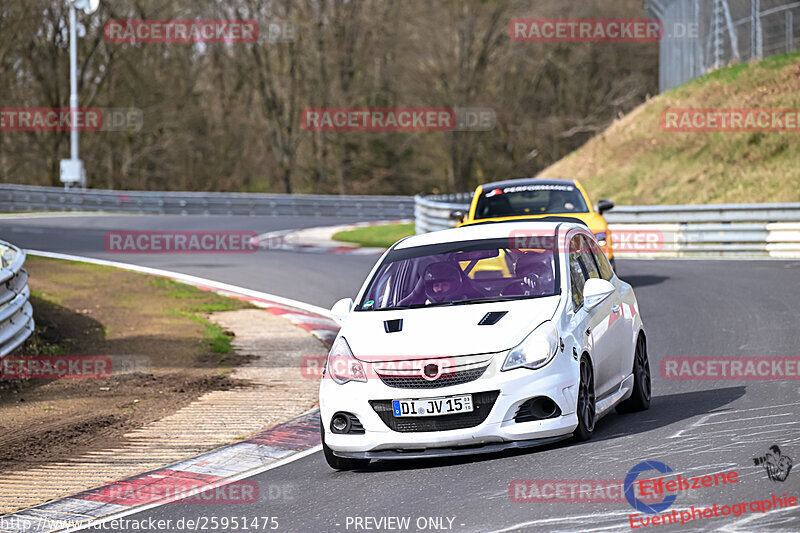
{"x":463,"y":273}
{"x":531,"y":199}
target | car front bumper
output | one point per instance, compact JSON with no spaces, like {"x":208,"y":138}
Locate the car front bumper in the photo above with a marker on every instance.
{"x":557,"y":381}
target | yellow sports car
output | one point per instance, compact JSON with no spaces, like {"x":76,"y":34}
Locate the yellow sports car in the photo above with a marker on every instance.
{"x":537,"y":198}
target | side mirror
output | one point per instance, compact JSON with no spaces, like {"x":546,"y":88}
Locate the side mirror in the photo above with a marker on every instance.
{"x":457,"y":215}
{"x":341,"y":309}
{"x":604,"y":205}
{"x":595,"y":291}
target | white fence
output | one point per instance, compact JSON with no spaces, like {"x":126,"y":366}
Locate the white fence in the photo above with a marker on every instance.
{"x":724,"y":230}
{"x":16,"y":315}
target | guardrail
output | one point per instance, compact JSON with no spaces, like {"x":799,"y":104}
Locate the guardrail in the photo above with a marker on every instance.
{"x":21,"y":198}
{"x":771,"y":230}
{"x":432,"y":213}
{"x":16,"y":314}
{"x":724,"y":230}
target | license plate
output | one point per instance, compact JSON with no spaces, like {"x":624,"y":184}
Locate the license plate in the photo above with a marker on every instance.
{"x":432,"y":406}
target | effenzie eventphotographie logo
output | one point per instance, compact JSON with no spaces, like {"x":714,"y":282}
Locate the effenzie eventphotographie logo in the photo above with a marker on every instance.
{"x":775,"y":463}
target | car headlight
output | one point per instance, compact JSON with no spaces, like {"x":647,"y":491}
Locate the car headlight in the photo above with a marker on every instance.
{"x":601,"y":238}
{"x":536,"y":350}
{"x":342,"y":366}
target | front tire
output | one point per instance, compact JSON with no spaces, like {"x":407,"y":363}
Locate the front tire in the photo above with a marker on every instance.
{"x":339,"y":463}
{"x":586,"y":402}
{"x":642,"y":386}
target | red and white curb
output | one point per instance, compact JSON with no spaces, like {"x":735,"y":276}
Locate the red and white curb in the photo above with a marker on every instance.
{"x":208,"y":473}
{"x":322,"y":327}
{"x":319,"y":239}
{"x":212,"y":470}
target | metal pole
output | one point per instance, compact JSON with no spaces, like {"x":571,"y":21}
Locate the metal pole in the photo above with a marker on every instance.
{"x":756,"y":50}
{"x":789,"y":32}
{"x":72,"y":171}
{"x":73,"y":83}
{"x":717,"y":34}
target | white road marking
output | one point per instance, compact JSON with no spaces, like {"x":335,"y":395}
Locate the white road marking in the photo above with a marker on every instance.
{"x":693,"y":425}
{"x":704,"y":418}
{"x":751,"y":418}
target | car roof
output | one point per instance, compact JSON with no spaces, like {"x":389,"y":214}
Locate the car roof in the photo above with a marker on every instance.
{"x":495,"y":230}
{"x":525,"y":181}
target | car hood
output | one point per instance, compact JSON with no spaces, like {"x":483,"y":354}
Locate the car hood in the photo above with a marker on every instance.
{"x":445,"y":331}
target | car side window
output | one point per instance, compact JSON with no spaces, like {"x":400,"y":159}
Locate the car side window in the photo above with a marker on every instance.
{"x":600,"y":258}
{"x":585,"y":256}
{"x":577,"y":272}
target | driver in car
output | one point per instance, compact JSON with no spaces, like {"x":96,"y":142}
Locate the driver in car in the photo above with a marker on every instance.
{"x":443,"y":283}
{"x":535,"y":274}
{"x":559,"y":202}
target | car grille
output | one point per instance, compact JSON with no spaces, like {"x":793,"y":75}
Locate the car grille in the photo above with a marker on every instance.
{"x":445,"y":380}
{"x":482,"y":404}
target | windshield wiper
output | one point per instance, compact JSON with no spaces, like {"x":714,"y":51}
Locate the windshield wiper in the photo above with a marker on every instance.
{"x":397,"y":307}
{"x":485,"y":300}
{"x":501,"y":299}
{"x":461,"y":302}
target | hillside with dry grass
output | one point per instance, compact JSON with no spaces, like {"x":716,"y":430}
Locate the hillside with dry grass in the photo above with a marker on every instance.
{"x":635,"y":162}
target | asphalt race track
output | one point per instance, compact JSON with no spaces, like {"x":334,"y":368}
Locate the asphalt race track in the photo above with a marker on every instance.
{"x":319,"y":279}
{"x":690,"y":308}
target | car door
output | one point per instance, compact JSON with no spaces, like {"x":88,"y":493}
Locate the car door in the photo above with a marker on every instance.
{"x":601,"y":344}
{"x":619,"y":325}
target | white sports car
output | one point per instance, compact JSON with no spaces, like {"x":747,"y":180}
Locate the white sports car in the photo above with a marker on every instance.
{"x":480,"y":338}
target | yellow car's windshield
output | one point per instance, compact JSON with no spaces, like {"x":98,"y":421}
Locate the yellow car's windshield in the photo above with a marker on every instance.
{"x":531,"y":199}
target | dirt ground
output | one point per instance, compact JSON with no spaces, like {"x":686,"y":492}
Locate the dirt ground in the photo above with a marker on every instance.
{"x":156,"y":336}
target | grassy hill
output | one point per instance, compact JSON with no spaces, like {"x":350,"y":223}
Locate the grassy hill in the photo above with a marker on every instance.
{"x":635,"y":162}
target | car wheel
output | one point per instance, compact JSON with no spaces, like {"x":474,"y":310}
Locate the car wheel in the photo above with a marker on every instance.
{"x":642,"y":387}
{"x":586,"y":402}
{"x":339,"y":463}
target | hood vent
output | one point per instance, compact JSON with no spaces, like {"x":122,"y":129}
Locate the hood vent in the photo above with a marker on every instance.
{"x":393,"y":326}
{"x":492,"y":318}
